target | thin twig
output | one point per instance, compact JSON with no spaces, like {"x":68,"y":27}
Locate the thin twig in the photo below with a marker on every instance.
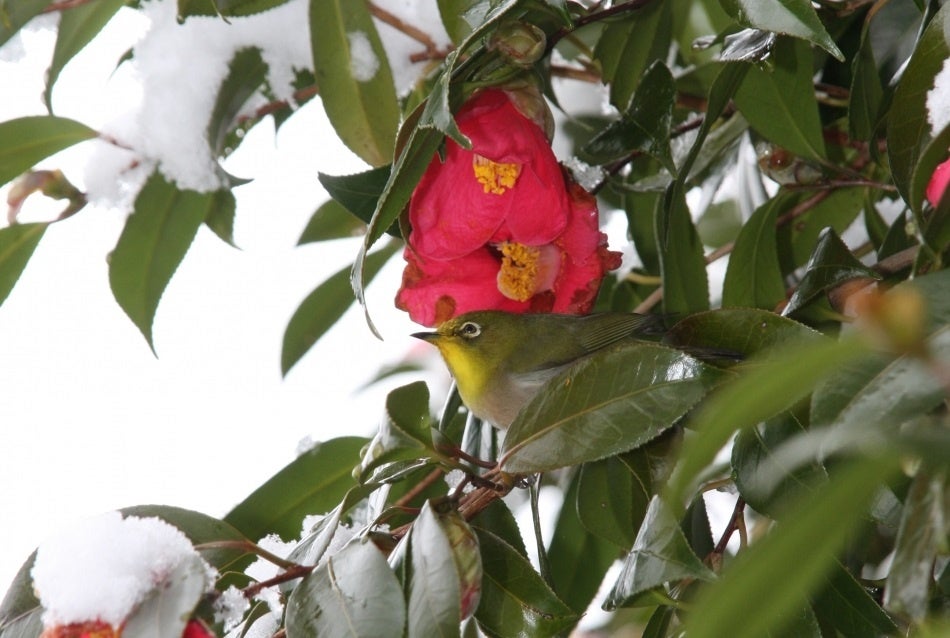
{"x":400,"y":25}
{"x":419,"y":487}
{"x":731,"y":527}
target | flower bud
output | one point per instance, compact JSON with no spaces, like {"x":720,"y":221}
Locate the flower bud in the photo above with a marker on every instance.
{"x":938,"y":183}
{"x":522,"y":44}
{"x":898,"y":318}
{"x":468,"y":561}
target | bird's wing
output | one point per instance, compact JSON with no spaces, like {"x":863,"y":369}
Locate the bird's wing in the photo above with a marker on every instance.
{"x":600,"y":330}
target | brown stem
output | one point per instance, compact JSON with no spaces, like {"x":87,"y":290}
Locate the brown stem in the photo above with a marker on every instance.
{"x":399,"y":24}
{"x":731,"y":527}
{"x":419,"y":488}
{"x":278,"y":105}
{"x":64,"y":5}
{"x":248,"y":546}
{"x":297,"y":571}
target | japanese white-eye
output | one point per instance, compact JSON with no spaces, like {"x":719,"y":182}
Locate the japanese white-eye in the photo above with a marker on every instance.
{"x":500,"y":360}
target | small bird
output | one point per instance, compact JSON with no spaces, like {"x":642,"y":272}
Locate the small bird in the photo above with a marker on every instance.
{"x":500,"y":359}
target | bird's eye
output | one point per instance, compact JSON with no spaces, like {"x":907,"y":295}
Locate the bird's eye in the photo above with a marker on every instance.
{"x":470,"y":330}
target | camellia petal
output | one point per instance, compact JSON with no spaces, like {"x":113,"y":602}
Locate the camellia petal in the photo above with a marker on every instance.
{"x":938,"y":183}
{"x":510,"y":178}
{"x":501,"y":227}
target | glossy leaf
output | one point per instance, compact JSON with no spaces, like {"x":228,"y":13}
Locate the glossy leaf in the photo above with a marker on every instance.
{"x":515,"y":600}
{"x":796,"y":18}
{"x":645,"y":126}
{"x":355,"y":82}
{"x":830,"y":265}
{"x":432,"y":590}
{"x":578,"y":559}
{"x":315,"y":315}
{"x":359,"y":193}
{"x":313,"y":483}
{"x":166,"y":609}
{"x":660,"y":554}
{"x":457,"y":16}
{"x":682,"y":263}
{"x":908,"y":130}
{"x":867,"y":92}
{"x":753,"y":278}
{"x":766,"y":385}
{"x":746,"y":331}
{"x":751,"y":451}
{"x":404,"y":433}
{"x":332,"y":600}
{"x":498,"y":520}
{"x":77,"y":27}
{"x":611,"y":402}
{"x":922,"y":534}
{"x":613,"y":495}
{"x":27,"y":140}
{"x":246,"y":72}
{"x":154,"y":241}
{"x":627,"y":47}
{"x":225,"y":7}
{"x":220,"y":217}
{"x":845,"y":604}
{"x":802,"y":549}
{"x":780,"y":104}
{"x":797,"y":238}
{"x":17,"y":244}
{"x":331,"y":221}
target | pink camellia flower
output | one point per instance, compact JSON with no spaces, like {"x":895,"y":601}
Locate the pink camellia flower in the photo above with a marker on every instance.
{"x":498,"y":226}
{"x":938,"y":183}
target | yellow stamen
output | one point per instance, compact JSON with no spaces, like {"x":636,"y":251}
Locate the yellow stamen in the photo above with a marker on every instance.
{"x":518,"y":278}
{"x":495,"y":178}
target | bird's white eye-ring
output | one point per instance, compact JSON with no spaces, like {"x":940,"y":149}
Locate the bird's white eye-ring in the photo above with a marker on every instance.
{"x":470,"y":330}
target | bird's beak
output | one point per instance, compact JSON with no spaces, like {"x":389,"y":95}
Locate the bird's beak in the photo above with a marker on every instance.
{"x":426,"y":336}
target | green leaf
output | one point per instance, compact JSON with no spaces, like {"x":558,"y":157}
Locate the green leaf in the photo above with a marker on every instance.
{"x":20,"y":599}
{"x":246,"y":73}
{"x":867,"y":92}
{"x":644,"y":126}
{"x":660,"y":554}
{"x":908,"y":131}
{"x":433,"y":585}
{"x":220,"y":217}
{"x":831,"y":264}
{"x":333,"y":600}
{"x":27,"y":140}
{"x":796,"y":18}
{"x":613,"y":495}
{"x":743,"y":330}
{"x":360,"y":193}
{"x":404,"y":433}
{"x":331,"y":221}
{"x":802,"y":550}
{"x":354,"y":78}
{"x":313,"y":483}
{"x":797,"y":239}
{"x":515,"y":600}
{"x":608,"y":403}
{"x":13,"y":15}
{"x":167,"y":608}
{"x":751,"y":451}
{"x":767,"y":385}
{"x":845,"y":604}
{"x":780,"y":104}
{"x":77,"y":28}
{"x":578,"y":559}
{"x":498,"y":520}
{"x":682,"y":263}
{"x":457,"y":16}
{"x":152,"y":244}
{"x":29,"y":625}
{"x":323,"y":307}
{"x":225,"y":8}
{"x":922,"y":534}
{"x":753,"y":277}
{"x":17,"y":243}
{"x":626,"y":47}
{"x":880,"y":390}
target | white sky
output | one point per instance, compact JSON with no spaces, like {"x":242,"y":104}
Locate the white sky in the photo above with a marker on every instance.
{"x":91,"y":420}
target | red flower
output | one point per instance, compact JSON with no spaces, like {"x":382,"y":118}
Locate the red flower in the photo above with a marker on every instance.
{"x":938,"y":183}
{"x":497,"y":227}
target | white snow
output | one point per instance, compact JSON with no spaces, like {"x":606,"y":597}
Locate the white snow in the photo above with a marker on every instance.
{"x":230,"y":607}
{"x":938,"y":100}
{"x":363,"y":62}
{"x":103,"y":567}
